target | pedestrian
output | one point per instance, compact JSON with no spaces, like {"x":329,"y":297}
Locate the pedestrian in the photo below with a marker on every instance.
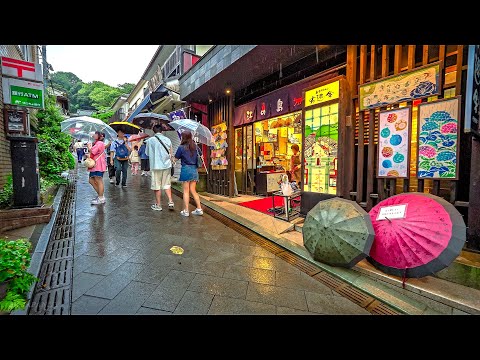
{"x":119,"y":151}
{"x":134,"y":160}
{"x":188,"y":153}
{"x":95,"y":177}
{"x":295,"y":165}
{"x":159,"y":151}
{"x":110,"y":167}
{"x":78,"y":148}
{"x":144,"y":162}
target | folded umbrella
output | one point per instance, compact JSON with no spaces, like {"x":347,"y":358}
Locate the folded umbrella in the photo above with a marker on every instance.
{"x":138,"y":137}
{"x":148,"y":120}
{"x":84,"y":126}
{"x":338,"y":232}
{"x":126,"y":127}
{"x":426,"y":240}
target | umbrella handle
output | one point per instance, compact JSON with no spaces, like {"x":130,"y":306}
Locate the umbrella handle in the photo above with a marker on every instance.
{"x":201,"y":157}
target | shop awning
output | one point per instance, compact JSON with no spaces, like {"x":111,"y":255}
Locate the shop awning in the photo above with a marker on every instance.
{"x":140,"y":107}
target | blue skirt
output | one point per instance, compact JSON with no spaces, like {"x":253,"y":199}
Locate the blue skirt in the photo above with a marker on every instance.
{"x":188,"y":173}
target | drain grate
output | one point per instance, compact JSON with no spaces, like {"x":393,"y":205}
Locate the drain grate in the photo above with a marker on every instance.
{"x":298,"y":262}
{"x":329,"y":280}
{"x":379,"y":308}
{"x":59,"y":249}
{"x":355,"y":295}
{"x":52,"y":295}
{"x":53,"y":302}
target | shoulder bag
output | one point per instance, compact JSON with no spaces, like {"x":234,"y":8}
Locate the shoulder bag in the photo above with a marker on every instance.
{"x":90,"y":163}
{"x":172,"y":170}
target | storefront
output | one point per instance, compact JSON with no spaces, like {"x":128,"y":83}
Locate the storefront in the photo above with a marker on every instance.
{"x":295,"y":126}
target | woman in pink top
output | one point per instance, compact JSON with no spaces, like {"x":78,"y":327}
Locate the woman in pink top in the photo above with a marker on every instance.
{"x":97,"y":153}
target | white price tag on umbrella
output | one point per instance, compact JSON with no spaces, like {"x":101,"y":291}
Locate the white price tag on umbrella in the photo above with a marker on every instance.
{"x":392,"y":212}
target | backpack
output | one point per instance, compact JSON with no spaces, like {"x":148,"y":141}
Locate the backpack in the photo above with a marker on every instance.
{"x":121,"y":151}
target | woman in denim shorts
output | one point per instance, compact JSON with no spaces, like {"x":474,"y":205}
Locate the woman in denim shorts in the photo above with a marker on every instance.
{"x":187,"y":152}
{"x":97,"y":152}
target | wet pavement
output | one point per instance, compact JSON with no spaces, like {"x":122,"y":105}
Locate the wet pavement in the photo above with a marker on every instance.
{"x":123,"y":263}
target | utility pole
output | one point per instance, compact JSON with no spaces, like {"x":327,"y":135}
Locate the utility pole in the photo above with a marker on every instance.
{"x":45,"y":69}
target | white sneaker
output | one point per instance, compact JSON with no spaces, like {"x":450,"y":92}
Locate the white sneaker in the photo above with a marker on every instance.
{"x":197,"y":212}
{"x":184,"y":213}
{"x":156,"y":207}
{"x":98,"y":201}
{"x":143,"y":173}
{"x":171,"y":205}
{"x":112,"y":181}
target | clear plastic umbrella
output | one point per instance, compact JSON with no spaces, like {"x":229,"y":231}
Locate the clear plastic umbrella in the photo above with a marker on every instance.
{"x":85,"y":126}
{"x":201,"y":134}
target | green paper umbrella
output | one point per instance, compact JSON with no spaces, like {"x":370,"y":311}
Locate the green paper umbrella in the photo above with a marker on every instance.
{"x":338,"y":232}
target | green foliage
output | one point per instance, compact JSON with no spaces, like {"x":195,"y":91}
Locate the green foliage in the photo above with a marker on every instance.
{"x":53,"y":145}
{"x":104,"y":116}
{"x":94,"y":95}
{"x":14,"y":262}
{"x":12,"y":301}
{"x":6,"y":194}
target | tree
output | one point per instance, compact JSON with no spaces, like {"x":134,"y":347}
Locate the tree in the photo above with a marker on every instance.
{"x":126,"y":88}
{"x":104,"y":116}
{"x":65,"y":80}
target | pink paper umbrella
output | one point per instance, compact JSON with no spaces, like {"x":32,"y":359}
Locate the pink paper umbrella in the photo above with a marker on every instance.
{"x":425,"y":241}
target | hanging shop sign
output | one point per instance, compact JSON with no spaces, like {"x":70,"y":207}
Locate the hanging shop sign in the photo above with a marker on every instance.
{"x":279,"y":102}
{"x":472,"y":100}
{"x":438,"y":139}
{"x":22,"y":93}
{"x":15,"y":121}
{"x":177,"y":115}
{"x":322,"y":94}
{"x":415,"y":84}
{"x":393,"y":156}
{"x":21,"y":69}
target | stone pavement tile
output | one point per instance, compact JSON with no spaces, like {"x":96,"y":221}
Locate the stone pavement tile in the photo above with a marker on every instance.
{"x":277,"y":296}
{"x":84,"y":282}
{"x":301,"y":281}
{"x":170,"y":291}
{"x":94,"y":249}
{"x":253,"y":250}
{"x":153,"y":274}
{"x":147,"y":255}
{"x":230,"y":258}
{"x":104,"y":266}
{"x":209,"y":268}
{"x":88,"y":305}
{"x":289,"y":311}
{"x":149,"y":311}
{"x":178,"y":262}
{"x":219,"y":286}
{"x":189,"y":252}
{"x":274,"y":264}
{"x":228,"y":306}
{"x":83,"y":262}
{"x":215,"y":246}
{"x":122,"y":253}
{"x":236,"y":239}
{"x":130,"y":299}
{"x":329,"y":304}
{"x":194,"y":303}
{"x":111,"y":285}
{"x":260,"y":276}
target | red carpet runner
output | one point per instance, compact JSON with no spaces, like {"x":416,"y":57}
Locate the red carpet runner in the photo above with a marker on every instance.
{"x":263,"y":204}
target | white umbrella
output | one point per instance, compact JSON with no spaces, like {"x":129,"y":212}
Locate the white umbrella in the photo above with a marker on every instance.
{"x":200,"y":133}
{"x":85,"y":125}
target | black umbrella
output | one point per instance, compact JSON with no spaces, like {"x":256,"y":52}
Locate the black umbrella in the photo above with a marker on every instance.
{"x":148,"y":120}
{"x":126,"y":127}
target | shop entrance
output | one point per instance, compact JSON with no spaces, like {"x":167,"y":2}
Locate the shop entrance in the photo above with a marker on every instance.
{"x":245,"y":161}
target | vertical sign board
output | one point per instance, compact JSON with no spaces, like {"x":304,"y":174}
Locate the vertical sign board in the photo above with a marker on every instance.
{"x":22,"y":93}
{"x":472,"y":101}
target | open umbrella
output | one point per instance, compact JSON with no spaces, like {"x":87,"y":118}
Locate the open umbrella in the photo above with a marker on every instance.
{"x":338,"y":232}
{"x":126,"y":127}
{"x":138,"y":137}
{"x":416,"y":234}
{"x":201,"y":133}
{"x":83,"y":127}
{"x":148,"y":120}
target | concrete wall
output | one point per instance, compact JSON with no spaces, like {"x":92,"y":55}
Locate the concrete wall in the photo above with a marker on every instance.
{"x":210,"y":65}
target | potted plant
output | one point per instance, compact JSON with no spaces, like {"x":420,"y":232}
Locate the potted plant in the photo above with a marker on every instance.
{"x":15,"y":280}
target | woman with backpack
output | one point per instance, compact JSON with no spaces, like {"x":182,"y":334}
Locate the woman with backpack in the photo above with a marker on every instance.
{"x":119,"y":152}
{"x":95,"y":177}
{"x":188,"y":153}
